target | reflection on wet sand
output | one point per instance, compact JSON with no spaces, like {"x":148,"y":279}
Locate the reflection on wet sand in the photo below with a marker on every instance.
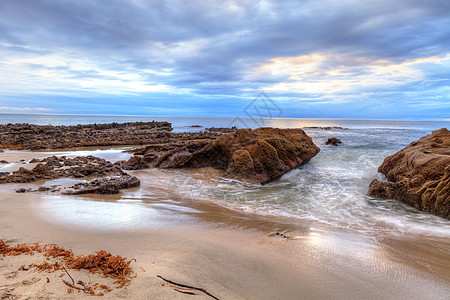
{"x":148,"y":208}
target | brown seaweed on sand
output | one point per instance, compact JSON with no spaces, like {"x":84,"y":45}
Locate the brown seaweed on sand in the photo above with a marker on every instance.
{"x":102,"y":262}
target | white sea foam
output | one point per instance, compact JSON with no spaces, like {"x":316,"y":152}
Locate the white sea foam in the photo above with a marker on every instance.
{"x":332,"y":188}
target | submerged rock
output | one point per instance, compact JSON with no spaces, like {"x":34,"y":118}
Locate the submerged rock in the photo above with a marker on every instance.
{"x":419,"y":175}
{"x":258,"y":156}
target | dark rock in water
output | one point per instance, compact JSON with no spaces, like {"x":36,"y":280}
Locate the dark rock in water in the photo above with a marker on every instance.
{"x":333,"y":141}
{"x":326,"y":128}
{"x":258,"y":156}
{"x":104,"y":186}
{"x":44,"y":188}
{"x":3,"y":162}
{"x":221,"y":129}
{"x":34,"y":160}
{"x":419,"y":175}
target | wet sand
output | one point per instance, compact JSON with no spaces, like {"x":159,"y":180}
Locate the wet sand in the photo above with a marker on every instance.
{"x":232,"y":254}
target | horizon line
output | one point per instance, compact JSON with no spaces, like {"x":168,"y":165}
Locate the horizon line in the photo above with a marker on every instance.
{"x":245,"y":117}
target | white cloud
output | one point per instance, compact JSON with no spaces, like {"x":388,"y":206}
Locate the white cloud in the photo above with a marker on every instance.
{"x":24,"y":108}
{"x":340,"y":74}
{"x":64,"y":74}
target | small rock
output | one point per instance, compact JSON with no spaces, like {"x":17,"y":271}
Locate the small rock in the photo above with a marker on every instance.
{"x":43,"y":188}
{"x":333,"y":141}
{"x":281,"y":235}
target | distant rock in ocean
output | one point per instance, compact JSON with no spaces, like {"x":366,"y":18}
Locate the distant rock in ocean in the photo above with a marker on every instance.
{"x":258,"y":156}
{"x":419,"y":174}
{"x":333,"y":141}
{"x":325,"y":128}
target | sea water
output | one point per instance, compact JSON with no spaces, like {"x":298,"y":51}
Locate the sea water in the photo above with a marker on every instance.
{"x":330,"y":190}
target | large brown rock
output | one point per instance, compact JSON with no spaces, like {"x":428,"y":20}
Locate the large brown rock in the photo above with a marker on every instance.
{"x":419,"y":174}
{"x":258,"y":156}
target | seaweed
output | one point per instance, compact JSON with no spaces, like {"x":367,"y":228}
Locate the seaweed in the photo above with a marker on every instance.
{"x":102,"y":262}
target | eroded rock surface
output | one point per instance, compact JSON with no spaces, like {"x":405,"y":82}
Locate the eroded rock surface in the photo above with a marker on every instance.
{"x":221,"y":129}
{"x":258,"y":156}
{"x":104,"y":186}
{"x":419,"y":174}
{"x":34,"y":137}
{"x":101,"y":176}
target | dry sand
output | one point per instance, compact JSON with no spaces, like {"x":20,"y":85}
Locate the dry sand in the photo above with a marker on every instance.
{"x":232,"y":255}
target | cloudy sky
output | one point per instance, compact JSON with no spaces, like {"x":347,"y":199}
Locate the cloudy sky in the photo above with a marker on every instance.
{"x":314,"y":59}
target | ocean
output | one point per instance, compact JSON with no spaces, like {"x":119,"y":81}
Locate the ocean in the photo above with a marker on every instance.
{"x":331,"y":190}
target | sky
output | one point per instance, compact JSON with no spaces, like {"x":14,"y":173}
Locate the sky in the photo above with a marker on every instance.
{"x":312,"y":59}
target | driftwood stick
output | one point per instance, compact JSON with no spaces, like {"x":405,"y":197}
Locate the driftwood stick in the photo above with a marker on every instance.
{"x":187,"y":286}
{"x":73,"y":281}
{"x":72,"y":286}
{"x":184,"y":292}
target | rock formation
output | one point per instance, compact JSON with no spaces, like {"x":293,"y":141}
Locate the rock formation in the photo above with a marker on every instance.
{"x":221,"y":129}
{"x":333,"y":141}
{"x":108,"y":178}
{"x":258,"y":156}
{"x":104,"y":186}
{"x":419,"y":174}
{"x":35,"y":137}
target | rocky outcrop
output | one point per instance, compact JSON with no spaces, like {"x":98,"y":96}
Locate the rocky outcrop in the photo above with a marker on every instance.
{"x":221,"y":129}
{"x":333,"y":141}
{"x":419,"y":175}
{"x":258,"y":156}
{"x":100,"y":176}
{"x":35,"y":137}
{"x":104,"y":186}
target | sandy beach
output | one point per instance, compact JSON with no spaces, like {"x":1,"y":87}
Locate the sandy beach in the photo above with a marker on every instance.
{"x":231,"y":254}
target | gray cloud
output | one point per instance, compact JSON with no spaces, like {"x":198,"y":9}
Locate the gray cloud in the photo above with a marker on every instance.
{"x":211,"y":46}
